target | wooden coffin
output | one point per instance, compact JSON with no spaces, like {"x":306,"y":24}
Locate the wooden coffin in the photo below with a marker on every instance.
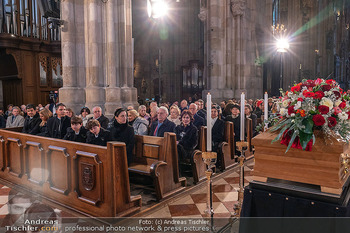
{"x":323,"y":166}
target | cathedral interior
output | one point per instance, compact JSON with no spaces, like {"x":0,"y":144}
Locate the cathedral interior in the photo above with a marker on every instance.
{"x":120,"y":53}
{"x":225,"y":47}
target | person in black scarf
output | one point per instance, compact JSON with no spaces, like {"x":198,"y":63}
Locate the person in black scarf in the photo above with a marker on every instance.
{"x":122,"y":132}
{"x":186,"y":135}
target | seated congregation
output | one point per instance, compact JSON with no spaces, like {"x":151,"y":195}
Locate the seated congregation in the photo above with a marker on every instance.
{"x":158,"y":146}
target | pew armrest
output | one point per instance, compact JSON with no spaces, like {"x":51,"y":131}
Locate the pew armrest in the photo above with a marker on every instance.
{"x":155,"y":166}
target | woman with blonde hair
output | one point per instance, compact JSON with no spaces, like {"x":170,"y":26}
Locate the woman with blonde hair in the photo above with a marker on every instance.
{"x":139,"y":124}
{"x":174,"y":115}
{"x":44,"y":114}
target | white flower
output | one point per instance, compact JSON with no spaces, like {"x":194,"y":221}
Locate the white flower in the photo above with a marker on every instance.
{"x":285,"y":103}
{"x":343,"y":116}
{"x":327,"y":93}
{"x":337,"y":102}
{"x":298,"y":105}
{"x":327,"y":102}
{"x":283,"y":111}
{"x":292,"y":115}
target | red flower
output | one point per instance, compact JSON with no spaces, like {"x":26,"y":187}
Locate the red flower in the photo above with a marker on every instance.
{"x":332,"y":122}
{"x":318,"y":120}
{"x":342,"y":105}
{"x":330,"y":81}
{"x":295,"y":88}
{"x":310,"y":83}
{"x":319,"y":95}
{"x":291,"y":110}
{"x":337,"y":94}
{"x":300,"y":99}
{"x":326,"y":87}
{"x":348,"y":115}
{"x":323,"y":109}
{"x":308,"y":94}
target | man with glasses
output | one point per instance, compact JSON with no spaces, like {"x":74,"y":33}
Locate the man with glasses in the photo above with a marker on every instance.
{"x":97,"y":111}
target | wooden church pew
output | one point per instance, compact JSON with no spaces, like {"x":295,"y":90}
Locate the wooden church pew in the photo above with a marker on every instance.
{"x":88,"y":179}
{"x":157,"y":157}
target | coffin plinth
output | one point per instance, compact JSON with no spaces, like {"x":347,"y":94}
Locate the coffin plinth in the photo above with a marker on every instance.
{"x":323,"y":166}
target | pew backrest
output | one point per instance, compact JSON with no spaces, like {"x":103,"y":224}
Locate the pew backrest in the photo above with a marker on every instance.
{"x":79,"y":176}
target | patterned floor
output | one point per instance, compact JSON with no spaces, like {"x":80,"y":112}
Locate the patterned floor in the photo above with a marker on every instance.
{"x":189,"y":204}
{"x":193,"y":204}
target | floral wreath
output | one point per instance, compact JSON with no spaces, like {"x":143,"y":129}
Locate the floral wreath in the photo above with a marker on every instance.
{"x":310,"y":106}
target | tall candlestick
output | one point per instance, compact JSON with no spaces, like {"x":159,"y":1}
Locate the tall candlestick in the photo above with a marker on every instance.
{"x":242,"y":116}
{"x":266,"y":110}
{"x":209,"y":122}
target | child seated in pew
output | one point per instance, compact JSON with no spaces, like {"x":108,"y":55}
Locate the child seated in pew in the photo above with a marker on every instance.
{"x":77,"y":132}
{"x":97,"y":135}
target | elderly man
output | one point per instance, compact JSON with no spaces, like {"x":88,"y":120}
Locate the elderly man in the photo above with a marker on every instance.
{"x":97,"y":111}
{"x":15,"y":120}
{"x":183,"y":105}
{"x":162,"y":125}
{"x":198,"y":120}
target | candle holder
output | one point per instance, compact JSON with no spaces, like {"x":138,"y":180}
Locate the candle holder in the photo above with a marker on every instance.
{"x":209,"y":159}
{"x":242,"y":146}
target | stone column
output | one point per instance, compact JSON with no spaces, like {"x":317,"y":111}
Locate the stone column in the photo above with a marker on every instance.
{"x":113,"y":94}
{"x":237,"y":8}
{"x":120,"y":90}
{"x":230,"y":49}
{"x":95,"y":80}
{"x":214,"y":15}
{"x":97,"y":54}
{"x":72,"y":93}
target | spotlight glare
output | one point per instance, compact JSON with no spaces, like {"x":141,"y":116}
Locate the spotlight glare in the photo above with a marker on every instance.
{"x":156,"y":8}
{"x":282,"y":45}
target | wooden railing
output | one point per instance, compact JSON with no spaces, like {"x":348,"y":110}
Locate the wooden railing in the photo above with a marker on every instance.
{"x":85,"y":178}
{"x":23,"y":18}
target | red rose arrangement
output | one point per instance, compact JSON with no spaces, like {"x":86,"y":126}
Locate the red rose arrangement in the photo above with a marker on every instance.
{"x":312,"y":105}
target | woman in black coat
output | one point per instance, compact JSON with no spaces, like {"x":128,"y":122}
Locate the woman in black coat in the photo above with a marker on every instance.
{"x":218,"y":129}
{"x":186,"y":135}
{"x":121,"y":131}
{"x":44,"y":114}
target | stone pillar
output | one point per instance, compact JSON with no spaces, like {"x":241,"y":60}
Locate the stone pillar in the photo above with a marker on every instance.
{"x":120,"y":89}
{"x":97,"y":54}
{"x":230,"y":49}
{"x":72,"y":93}
{"x":94,"y":53}
{"x":237,"y":8}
